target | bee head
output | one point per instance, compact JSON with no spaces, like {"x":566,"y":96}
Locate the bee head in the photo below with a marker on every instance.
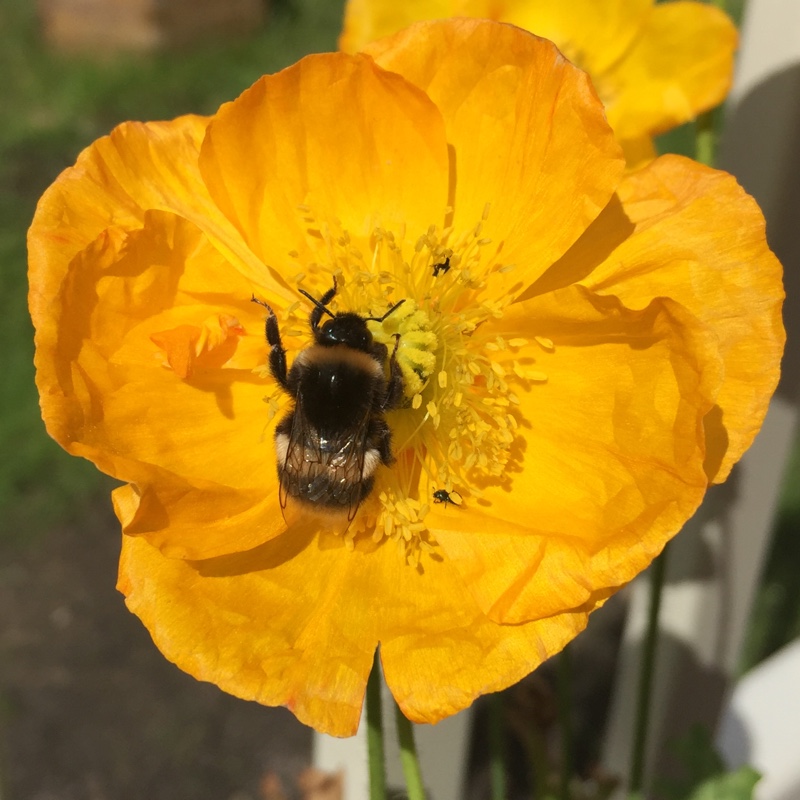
{"x":346,"y":328}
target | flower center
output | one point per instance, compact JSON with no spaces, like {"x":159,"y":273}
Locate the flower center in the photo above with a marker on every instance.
{"x":417,"y":345}
{"x":457,"y":425}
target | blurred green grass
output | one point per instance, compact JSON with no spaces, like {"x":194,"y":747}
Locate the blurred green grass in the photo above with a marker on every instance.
{"x":51,"y":106}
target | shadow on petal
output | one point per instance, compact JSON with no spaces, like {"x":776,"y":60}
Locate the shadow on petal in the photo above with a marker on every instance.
{"x":264,"y":557}
{"x":595,"y":246}
{"x":717,"y":441}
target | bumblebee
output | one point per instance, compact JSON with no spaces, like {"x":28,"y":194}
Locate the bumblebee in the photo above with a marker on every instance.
{"x":443,"y":496}
{"x":331,"y":443}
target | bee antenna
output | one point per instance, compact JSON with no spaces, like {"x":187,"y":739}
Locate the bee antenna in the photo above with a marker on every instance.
{"x":381,"y":319}
{"x":317,"y":302}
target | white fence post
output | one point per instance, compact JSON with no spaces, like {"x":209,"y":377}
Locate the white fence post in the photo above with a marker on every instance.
{"x":715,"y":563}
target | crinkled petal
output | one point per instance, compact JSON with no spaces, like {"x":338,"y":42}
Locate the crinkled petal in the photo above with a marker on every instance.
{"x":527,"y":134}
{"x":609,"y":460}
{"x":694,"y":235}
{"x":295,"y":622}
{"x":193,"y":442}
{"x":115,"y":181}
{"x":335,"y":137}
{"x":436,"y":671}
{"x":680,"y":65}
{"x":186,"y":520}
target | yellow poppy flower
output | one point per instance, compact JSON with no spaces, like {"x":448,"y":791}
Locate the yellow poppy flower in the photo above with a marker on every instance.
{"x":655,"y":66}
{"x":580,"y":353}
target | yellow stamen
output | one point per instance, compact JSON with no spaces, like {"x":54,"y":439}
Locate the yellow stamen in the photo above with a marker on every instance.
{"x":455,"y":431}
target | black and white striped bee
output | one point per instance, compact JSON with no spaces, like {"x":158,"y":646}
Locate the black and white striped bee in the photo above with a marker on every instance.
{"x":331,"y":443}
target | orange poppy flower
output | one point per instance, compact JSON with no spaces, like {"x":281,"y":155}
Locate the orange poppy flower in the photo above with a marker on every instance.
{"x":654,"y":65}
{"x":580,"y":353}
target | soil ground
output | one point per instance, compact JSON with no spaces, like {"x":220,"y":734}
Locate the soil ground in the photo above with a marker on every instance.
{"x":92,"y":711}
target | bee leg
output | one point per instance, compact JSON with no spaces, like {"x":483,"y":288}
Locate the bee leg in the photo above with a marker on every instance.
{"x":396,"y":385}
{"x":381,"y":439}
{"x":277,"y":354}
{"x":379,"y":352}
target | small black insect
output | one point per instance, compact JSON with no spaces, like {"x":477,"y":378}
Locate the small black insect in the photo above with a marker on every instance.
{"x":443,"y":496}
{"x":443,"y":267}
{"x":331,"y":442}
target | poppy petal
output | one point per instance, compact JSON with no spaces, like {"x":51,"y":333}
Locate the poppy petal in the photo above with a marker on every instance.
{"x":295,"y":622}
{"x":333,"y":136}
{"x":110,"y":393}
{"x":139,"y":166}
{"x":527,"y":135}
{"x":694,"y":235}
{"x":593,"y":34}
{"x":367,"y":20}
{"x":680,"y":65}
{"x":609,"y":457}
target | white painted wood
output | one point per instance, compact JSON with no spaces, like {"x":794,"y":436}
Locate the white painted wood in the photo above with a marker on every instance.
{"x":442,"y":753}
{"x":760,"y":726}
{"x":348,"y":755}
{"x":770,"y":35}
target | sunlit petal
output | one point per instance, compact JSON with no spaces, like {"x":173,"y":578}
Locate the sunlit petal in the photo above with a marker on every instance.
{"x":526,"y":132}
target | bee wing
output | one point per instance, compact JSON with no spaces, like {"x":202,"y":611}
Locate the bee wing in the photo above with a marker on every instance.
{"x":341,"y":468}
{"x":351,"y":468}
{"x":291,"y":468}
{"x":344,"y":464}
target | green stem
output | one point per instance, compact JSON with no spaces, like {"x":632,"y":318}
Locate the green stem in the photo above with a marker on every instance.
{"x":705,"y":145}
{"x":646,"y":675}
{"x":496,"y":746}
{"x":565,"y":718}
{"x":705,"y":141}
{"x":375,"y":753}
{"x":408,"y":757}
{"x":537,"y":748}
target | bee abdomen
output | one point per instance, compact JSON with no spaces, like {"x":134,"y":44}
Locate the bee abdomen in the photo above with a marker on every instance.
{"x":325,"y":472}
{"x":325,"y":492}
